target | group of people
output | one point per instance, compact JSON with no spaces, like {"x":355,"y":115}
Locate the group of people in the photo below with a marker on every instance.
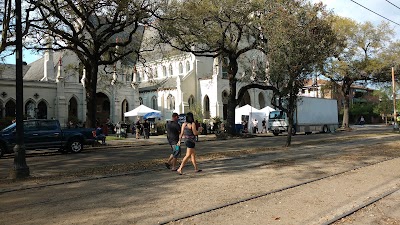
{"x":177,"y":134}
{"x":255,"y":126}
{"x":142,"y":129}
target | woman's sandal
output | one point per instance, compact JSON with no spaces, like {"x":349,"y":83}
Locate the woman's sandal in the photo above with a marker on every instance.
{"x":197,"y":171}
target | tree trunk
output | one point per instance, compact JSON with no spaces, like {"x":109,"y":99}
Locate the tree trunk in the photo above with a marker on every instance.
{"x":290,"y":114}
{"x":91,"y":89}
{"x":230,"y":118}
{"x":345,"y":123}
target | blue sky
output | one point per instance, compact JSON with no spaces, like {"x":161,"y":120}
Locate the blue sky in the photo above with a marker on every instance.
{"x":351,"y":9}
{"x":346,"y":8}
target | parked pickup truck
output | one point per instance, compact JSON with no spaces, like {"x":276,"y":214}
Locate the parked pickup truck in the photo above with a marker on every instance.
{"x":46,"y":134}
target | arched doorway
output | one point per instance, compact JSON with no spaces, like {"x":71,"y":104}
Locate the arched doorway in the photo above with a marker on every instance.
{"x":30,"y":109}
{"x":206,"y":107}
{"x":225,"y":97}
{"x":73,"y":110}
{"x":102,"y":108}
{"x":261,"y":100}
{"x":10,"y":108}
{"x":125,"y":108}
{"x":245,"y":100}
{"x":42,"y":110}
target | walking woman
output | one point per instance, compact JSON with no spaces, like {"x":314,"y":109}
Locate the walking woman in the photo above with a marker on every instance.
{"x":188,"y":134}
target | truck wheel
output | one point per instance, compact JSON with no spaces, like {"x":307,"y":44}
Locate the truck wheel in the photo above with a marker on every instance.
{"x":325,"y":129}
{"x":75,"y":146}
{"x":275,"y":133}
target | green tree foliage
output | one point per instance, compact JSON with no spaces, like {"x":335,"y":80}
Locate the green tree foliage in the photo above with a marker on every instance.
{"x":226,"y":29}
{"x":99,"y":32}
{"x":301,"y":39}
{"x":385,"y":105}
{"x":358,"y":57}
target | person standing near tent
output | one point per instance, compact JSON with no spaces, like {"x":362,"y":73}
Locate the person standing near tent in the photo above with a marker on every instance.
{"x":138,"y":127}
{"x":146,"y":129}
{"x":264,"y":126}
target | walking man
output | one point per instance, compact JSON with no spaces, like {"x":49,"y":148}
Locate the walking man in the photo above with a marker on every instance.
{"x":173,"y":130}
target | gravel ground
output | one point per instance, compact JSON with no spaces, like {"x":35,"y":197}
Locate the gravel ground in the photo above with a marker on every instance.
{"x":149,"y":194}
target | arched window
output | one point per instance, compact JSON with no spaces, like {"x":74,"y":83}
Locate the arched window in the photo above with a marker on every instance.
{"x":170,"y":102}
{"x":187,"y":66}
{"x":225,"y":64}
{"x":30,"y":109}
{"x":191,"y":101}
{"x":261,"y":100}
{"x":72,"y":109}
{"x":139,"y":76}
{"x":171,"y":71}
{"x":225,"y":97}
{"x":206,"y":107}
{"x":42,"y":110}
{"x":164,"y":70}
{"x":245,"y":99}
{"x":180,"y":68}
{"x":10,"y":108}
{"x":155,"y":73}
{"x":125,"y":108}
{"x":140,"y":101}
{"x":154,"y":103}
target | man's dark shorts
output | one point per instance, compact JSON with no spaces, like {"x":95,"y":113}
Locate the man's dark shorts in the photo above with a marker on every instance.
{"x":190,"y":143}
{"x":176,"y":151}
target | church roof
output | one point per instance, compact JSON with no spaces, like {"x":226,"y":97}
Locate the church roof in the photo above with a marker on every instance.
{"x":8,"y":71}
{"x":167,"y":83}
{"x":36,"y":71}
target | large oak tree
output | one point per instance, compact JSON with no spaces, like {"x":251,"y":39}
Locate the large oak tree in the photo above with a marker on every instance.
{"x":301,"y":39}
{"x":99,"y":32}
{"x":358,"y":58}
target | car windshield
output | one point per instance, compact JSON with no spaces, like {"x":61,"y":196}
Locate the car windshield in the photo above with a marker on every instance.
{"x":276,"y":115}
{"x":9,"y":128}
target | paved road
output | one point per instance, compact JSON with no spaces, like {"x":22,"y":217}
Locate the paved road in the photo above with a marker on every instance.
{"x":131,"y":150}
{"x":157,"y":195}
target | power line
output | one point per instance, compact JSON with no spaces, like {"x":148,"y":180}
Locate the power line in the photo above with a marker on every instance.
{"x":393,"y":4}
{"x":376,"y":13}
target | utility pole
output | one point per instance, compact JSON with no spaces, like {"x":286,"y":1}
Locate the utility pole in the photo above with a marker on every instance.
{"x":395,"y":125}
{"x":20,"y":168}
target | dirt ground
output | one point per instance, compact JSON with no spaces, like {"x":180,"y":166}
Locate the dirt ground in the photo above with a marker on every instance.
{"x":248,"y":186}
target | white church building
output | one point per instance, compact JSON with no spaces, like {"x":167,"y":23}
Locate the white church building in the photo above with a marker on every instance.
{"x":173,"y":82}
{"x":54,"y":88}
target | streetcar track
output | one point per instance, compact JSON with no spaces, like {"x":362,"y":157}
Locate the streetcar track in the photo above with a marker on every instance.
{"x":212,"y":209}
{"x":362,"y":206}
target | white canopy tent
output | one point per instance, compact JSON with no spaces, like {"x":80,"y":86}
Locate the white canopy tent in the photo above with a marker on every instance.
{"x":140,"y":111}
{"x":267,"y":110}
{"x":252,"y":112}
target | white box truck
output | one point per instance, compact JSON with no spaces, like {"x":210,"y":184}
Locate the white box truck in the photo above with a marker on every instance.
{"x":311,"y":115}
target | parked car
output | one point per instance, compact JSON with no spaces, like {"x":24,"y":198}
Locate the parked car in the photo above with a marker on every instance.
{"x":46,"y":134}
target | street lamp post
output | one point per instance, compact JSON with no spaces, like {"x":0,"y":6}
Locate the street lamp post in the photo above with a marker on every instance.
{"x":395,"y":125}
{"x":20,"y":168}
